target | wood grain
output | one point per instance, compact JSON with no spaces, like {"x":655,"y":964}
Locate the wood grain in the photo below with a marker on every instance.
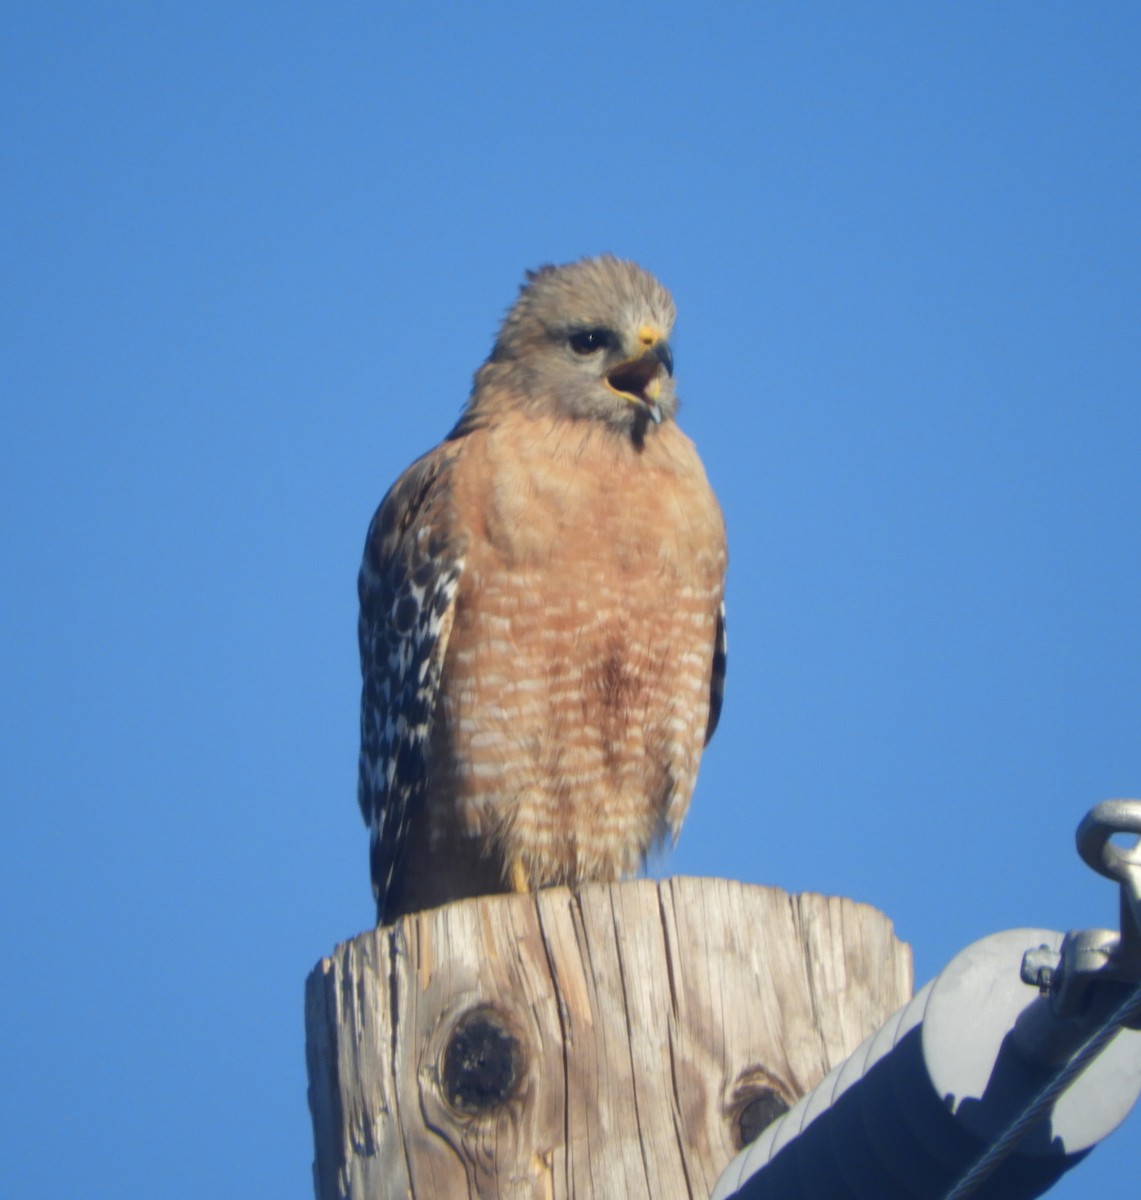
{"x":647,"y":1016}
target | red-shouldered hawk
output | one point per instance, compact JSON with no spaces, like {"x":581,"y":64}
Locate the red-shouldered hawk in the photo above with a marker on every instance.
{"x":542,"y":628}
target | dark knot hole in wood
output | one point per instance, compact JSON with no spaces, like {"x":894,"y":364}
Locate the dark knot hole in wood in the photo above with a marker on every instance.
{"x":760,"y":1109}
{"x":482,"y":1063}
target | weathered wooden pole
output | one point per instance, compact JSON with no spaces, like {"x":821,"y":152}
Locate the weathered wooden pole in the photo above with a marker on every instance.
{"x":611,"y":1042}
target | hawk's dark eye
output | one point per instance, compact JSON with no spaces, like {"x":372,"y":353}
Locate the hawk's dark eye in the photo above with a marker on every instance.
{"x":588,"y":341}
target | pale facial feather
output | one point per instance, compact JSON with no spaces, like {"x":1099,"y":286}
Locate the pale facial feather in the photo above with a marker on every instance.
{"x":534,"y":361}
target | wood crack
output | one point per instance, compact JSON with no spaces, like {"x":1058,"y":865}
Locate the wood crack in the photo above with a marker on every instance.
{"x":642,"y":1010}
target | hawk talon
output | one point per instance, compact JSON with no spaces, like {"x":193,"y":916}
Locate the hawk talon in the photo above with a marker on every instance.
{"x":519,"y":880}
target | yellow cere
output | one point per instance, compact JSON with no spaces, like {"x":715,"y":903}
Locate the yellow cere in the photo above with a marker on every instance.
{"x":649,"y":335}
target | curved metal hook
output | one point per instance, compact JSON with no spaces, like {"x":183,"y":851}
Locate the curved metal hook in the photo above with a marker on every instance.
{"x":1094,"y":833}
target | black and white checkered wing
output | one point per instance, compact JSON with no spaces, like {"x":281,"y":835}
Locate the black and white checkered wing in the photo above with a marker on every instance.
{"x":407,"y":587}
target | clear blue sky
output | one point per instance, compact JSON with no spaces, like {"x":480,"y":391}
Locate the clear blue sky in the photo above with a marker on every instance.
{"x":252,"y":255}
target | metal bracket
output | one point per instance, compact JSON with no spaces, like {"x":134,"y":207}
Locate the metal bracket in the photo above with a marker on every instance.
{"x":1094,"y":969}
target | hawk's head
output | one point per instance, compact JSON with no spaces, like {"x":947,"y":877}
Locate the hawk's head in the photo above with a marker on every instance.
{"x":591,"y":339}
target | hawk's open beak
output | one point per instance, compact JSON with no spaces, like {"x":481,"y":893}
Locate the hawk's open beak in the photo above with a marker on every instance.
{"x":639,"y":379}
